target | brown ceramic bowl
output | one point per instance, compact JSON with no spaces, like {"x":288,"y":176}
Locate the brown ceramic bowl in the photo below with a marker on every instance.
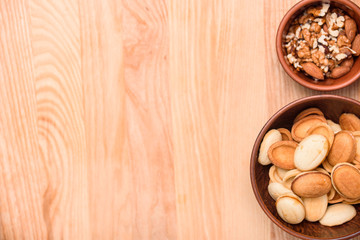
{"x":328,"y":84}
{"x":332,"y":106}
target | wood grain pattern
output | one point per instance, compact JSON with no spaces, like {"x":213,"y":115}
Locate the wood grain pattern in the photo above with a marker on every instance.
{"x":136,"y":119}
{"x":146,"y":52}
{"x":102,"y":73}
{"x":21,"y":169}
{"x":195,"y":105}
{"x":60,"y":112}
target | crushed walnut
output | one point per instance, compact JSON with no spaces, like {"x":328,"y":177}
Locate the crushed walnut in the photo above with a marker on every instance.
{"x":319,"y":36}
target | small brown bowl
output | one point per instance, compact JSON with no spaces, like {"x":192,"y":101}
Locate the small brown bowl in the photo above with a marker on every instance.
{"x":322,"y":85}
{"x":332,"y":106}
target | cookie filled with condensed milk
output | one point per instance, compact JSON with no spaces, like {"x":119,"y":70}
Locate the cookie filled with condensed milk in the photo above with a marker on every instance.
{"x":314,"y":173}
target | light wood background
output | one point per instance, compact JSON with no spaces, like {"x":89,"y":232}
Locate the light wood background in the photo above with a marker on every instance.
{"x":135,"y":119}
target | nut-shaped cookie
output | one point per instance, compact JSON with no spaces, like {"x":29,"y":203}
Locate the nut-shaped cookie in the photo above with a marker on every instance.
{"x":357,"y":141}
{"x":311,"y":152}
{"x":277,"y":189}
{"x":300,"y":128}
{"x":269,"y":139}
{"x":290,"y":208}
{"x":355,"y":161}
{"x":311,"y":184}
{"x":308,"y":112}
{"x":319,"y":169}
{"x":351,"y":202}
{"x":338,"y":214}
{"x":336,"y":199}
{"x":281,"y":154}
{"x":350,"y":122}
{"x":322,"y":129}
{"x":343,"y":148}
{"x":274,"y":177}
{"x":291,"y":174}
{"x":289,"y":177}
{"x":285,"y":134}
{"x":334,"y":126}
{"x":281,"y":172}
{"x":315,"y":208}
{"x":332,"y":193}
{"x":327,"y":166}
{"x":345,"y":178}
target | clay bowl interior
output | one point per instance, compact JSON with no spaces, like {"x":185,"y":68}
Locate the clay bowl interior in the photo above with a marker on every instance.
{"x":328,"y":84}
{"x":332,"y":106}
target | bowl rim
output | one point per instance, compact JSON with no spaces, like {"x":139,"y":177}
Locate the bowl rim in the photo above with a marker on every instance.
{"x":286,"y":67}
{"x":254,"y":154}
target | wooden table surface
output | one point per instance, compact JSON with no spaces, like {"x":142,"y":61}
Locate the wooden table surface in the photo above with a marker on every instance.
{"x":135,"y":119}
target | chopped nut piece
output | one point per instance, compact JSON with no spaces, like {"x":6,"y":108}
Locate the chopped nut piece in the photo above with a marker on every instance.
{"x":315,"y":43}
{"x":338,"y":11}
{"x":329,"y":20}
{"x":322,"y":40}
{"x":319,"y":11}
{"x":298,"y":32}
{"x":346,"y":51}
{"x":331,"y":64}
{"x":305,"y":18}
{"x":341,"y":33}
{"x":321,"y":49}
{"x":306,"y":34}
{"x":334,"y":33}
{"x":291,"y":58}
{"x":331,"y":42}
{"x":293,"y":28}
{"x":297,"y":65}
{"x":314,"y":27}
{"x":343,"y":41}
{"x":340,"y":21}
{"x":352,"y":51}
{"x":334,"y":49}
{"x":325,"y":30}
{"x":319,"y":59}
{"x":319,"y":21}
{"x":289,"y":37}
{"x":340,"y":56}
{"x":305,"y":26}
{"x":304,"y":52}
{"x":320,"y":37}
{"x":301,"y":44}
{"x":324,"y":9}
{"x":333,"y":17}
{"x":291,"y":47}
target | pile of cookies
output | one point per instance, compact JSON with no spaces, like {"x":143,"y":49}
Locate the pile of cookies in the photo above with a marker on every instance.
{"x":315,"y":173}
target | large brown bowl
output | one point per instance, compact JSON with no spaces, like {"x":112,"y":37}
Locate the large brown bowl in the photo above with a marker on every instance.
{"x":328,"y":84}
{"x":332,"y":106}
